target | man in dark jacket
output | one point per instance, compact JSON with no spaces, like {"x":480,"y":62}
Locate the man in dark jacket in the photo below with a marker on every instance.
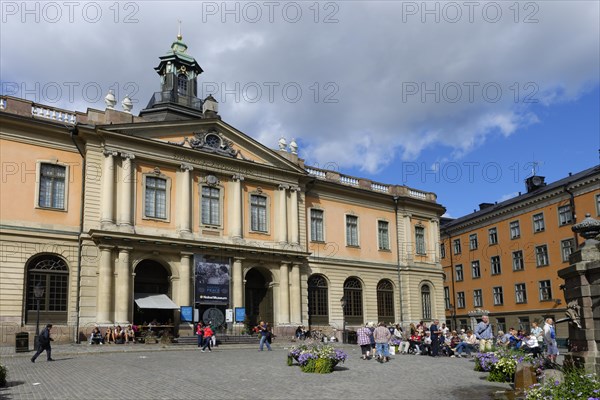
{"x":44,"y":344}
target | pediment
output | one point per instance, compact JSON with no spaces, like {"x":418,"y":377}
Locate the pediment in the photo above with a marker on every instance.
{"x":215,"y":137}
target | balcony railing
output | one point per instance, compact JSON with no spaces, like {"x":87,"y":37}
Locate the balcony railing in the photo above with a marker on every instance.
{"x":175,"y":98}
{"x":54,"y":114}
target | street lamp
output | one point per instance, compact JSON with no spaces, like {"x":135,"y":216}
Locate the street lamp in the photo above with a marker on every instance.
{"x":343,"y":302}
{"x":38,"y":293}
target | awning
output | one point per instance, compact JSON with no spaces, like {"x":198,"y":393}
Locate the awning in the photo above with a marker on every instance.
{"x":155,"y":301}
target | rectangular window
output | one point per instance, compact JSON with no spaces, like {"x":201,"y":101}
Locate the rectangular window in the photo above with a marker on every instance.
{"x":156,"y":198}
{"x":495,"y":265}
{"x":473,"y":241}
{"x":459,"y":273}
{"x":565,"y":216}
{"x":501,"y":324}
{"x":316,"y":226}
{"x":383,"y":234}
{"x":420,"y":239}
{"x":498,"y":296}
{"x":258,"y":213}
{"x":538,"y":223}
{"x":351,"y":230}
{"x":443,"y":250}
{"x":515,"y":230}
{"x":460,"y":299}
{"x":545,"y":290}
{"x":520,"y":293}
{"x":567,"y":247}
{"x":475,"y":269}
{"x":598,"y":204}
{"x":211,"y":207}
{"x":447,"y":297}
{"x":524,"y":324}
{"x":52,"y":186}
{"x":493,"y":235}
{"x":477,"y":298}
{"x":541,"y":255}
{"x":457,"y":249}
{"x":518,"y":263}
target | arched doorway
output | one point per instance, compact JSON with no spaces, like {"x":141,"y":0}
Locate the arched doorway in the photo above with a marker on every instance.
{"x":259,"y":296}
{"x":318,"y":303}
{"x":151,"y":277}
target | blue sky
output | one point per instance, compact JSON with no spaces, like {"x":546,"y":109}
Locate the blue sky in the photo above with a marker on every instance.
{"x":433,"y":95}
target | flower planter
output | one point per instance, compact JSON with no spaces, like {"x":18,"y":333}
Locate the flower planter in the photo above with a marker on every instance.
{"x":318,"y":359}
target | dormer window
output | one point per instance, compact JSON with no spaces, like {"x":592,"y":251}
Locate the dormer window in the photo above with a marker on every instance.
{"x":182,"y":84}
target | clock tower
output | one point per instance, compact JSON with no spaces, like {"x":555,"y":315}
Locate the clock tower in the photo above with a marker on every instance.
{"x":177,"y":99}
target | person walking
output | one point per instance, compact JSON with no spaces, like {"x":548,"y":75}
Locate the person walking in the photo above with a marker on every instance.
{"x":200,"y":334}
{"x":550,"y":339}
{"x":44,"y":340}
{"x":263,"y":331}
{"x":208,"y":333}
{"x":435,"y":338}
{"x":483,"y":333}
{"x":382,"y":337}
{"x":363,"y":336}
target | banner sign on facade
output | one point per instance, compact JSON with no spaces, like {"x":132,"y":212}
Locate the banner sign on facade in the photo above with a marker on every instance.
{"x":229,"y":315}
{"x":240,"y":314}
{"x":187,"y":313}
{"x":212,"y":280}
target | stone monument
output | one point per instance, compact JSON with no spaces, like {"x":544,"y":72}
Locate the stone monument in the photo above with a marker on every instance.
{"x":582,"y":293}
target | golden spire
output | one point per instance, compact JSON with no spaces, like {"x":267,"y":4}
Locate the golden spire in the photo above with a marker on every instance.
{"x":179,"y":37}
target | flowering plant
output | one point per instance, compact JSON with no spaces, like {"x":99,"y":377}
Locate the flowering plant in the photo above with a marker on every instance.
{"x":501,"y":364}
{"x":320,"y":359}
{"x":576,"y":385}
{"x":395,"y":342}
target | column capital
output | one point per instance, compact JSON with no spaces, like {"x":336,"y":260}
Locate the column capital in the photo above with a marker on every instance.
{"x":285,"y":262}
{"x":186,"y":167}
{"x":239,"y":258}
{"x":283,"y":187}
{"x":186,"y":254}
{"x":128,"y":156}
{"x":295,"y":188}
{"x":106,"y":247}
{"x":237,"y":177}
{"x":110,"y":153}
{"x":125,"y":249}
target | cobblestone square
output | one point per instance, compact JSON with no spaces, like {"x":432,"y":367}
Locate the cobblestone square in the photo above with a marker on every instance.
{"x":112,"y":372}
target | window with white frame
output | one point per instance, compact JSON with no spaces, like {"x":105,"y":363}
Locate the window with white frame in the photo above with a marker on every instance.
{"x":545,"y":290}
{"x":541,"y":255}
{"x":447,"y":297}
{"x":495,"y":265}
{"x":459,"y":273}
{"x":155,"y":197}
{"x":498,"y":295}
{"x":565,"y":216}
{"x":316,"y":226}
{"x":475,"y":269}
{"x":515,"y":230}
{"x":51,"y":190}
{"x":383,"y":235}
{"x":351,"y":230}
{"x":520,"y":293}
{"x":258,"y":213}
{"x":420,"y":239}
{"x":211,"y":205}
{"x":426,"y":302}
{"x":460,"y":300}
{"x":493,"y":235}
{"x":567,"y":247}
{"x":456,"y":245}
{"x":473,"y":241}
{"x":538,"y":223}
{"x":477,"y":298}
{"x":518,"y":262}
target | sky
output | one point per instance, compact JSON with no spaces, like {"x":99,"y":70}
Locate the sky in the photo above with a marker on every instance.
{"x":464,"y":99}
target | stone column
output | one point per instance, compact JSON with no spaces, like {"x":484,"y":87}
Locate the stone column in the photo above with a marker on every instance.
{"x":108,"y":187}
{"x":236,"y":217}
{"x":126,"y":184}
{"x":186,"y":276}
{"x":238,"y":284}
{"x":185,"y":210}
{"x":294,"y":234}
{"x":123,"y":295}
{"x":435,"y":240}
{"x":409,"y":240}
{"x":295,"y":296}
{"x":282,"y":215}
{"x":284,"y":293}
{"x":105,"y":286}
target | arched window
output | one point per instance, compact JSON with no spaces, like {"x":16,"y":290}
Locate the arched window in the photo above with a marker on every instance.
{"x":318,"y":310}
{"x":182,"y":84}
{"x":353,"y":310}
{"x":51,"y":274}
{"x":426,"y":302}
{"x":385,"y":301}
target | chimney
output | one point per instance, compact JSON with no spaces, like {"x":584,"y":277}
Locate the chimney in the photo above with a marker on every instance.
{"x":483,"y":206}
